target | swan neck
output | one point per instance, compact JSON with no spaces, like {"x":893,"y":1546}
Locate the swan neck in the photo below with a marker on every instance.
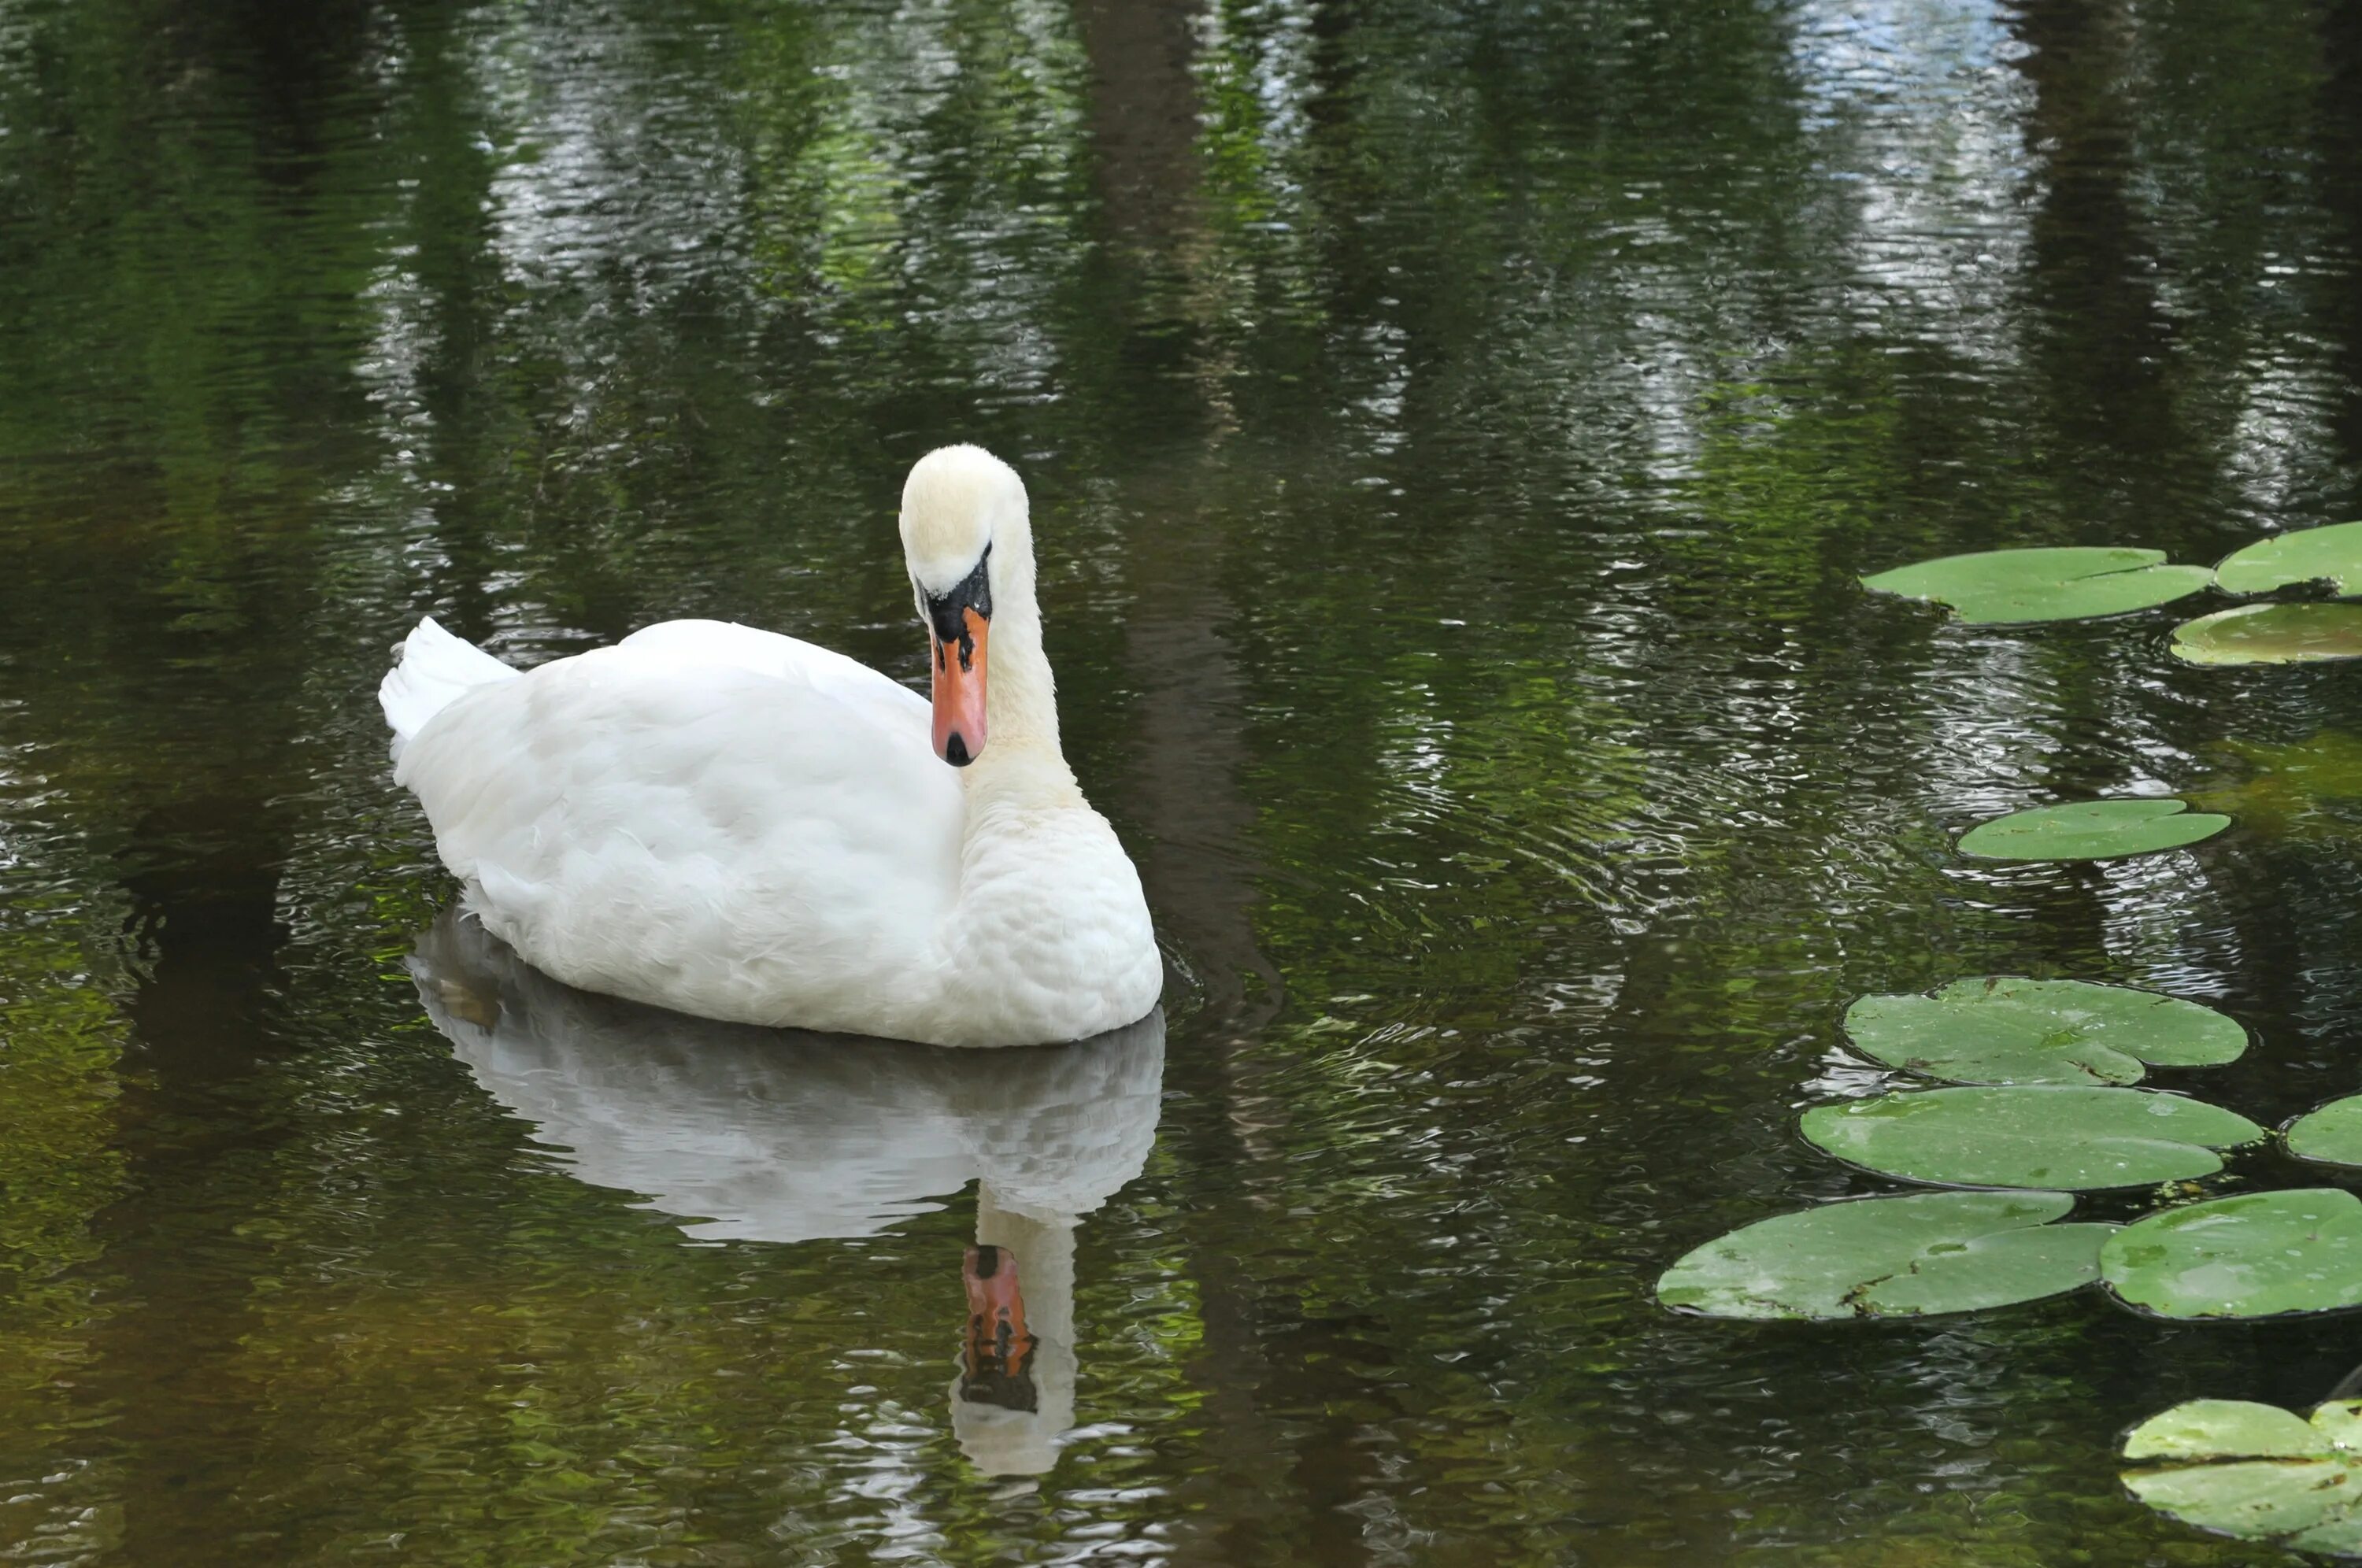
{"x":1020,"y":697}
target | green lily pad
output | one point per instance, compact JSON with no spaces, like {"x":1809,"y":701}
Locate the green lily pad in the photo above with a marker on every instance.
{"x":2092,"y":830}
{"x":2227,"y":1429}
{"x":2331,"y":1134}
{"x":2260,"y":1254}
{"x":2007,"y":1030}
{"x":2032,"y":1136}
{"x":2331,"y":555}
{"x":2272,"y":634}
{"x":2016,"y":587}
{"x":2255,"y":1471}
{"x":1904,"y":1257}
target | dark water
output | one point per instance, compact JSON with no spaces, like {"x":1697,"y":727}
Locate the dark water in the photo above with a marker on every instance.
{"x":1454,"y":431}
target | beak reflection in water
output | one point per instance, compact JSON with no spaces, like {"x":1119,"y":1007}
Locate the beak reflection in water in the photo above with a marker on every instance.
{"x":997,"y":1358}
{"x":773,"y":1137}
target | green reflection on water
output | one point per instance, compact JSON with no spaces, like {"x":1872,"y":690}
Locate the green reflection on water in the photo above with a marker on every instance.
{"x":1455,"y":430}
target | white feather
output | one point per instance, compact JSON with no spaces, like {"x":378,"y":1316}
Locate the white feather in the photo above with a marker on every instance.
{"x":435,"y":668}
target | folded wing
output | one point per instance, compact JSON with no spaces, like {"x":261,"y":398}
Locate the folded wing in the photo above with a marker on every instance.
{"x":703,"y":810}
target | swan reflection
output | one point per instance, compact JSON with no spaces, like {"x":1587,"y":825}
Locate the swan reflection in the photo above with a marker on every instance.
{"x":769,"y":1135}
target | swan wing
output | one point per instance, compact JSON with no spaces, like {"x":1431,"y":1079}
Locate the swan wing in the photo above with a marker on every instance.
{"x":726,"y":644}
{"x":706,"y":817}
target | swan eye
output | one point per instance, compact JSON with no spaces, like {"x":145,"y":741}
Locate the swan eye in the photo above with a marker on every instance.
{"x":945,"y":612}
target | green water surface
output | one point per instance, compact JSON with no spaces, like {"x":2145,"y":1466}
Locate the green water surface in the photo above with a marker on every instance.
{"x":1455,"y":427}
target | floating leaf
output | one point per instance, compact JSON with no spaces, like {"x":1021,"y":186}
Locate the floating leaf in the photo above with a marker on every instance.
{"x":2257,"y":1471}
{"x":1910,"y":1256}
{"x":2260,"y":1254}
{"x":2272,"y":634}
{"x":2332,"y":1134}
{"x":2226,"y":1429}
{"x":2011,"y":1031}
{"x":2016,"y":587}
{"x":2331,"y":555}
{"x":2031,"y":1136}
{"x":2092,"y":830}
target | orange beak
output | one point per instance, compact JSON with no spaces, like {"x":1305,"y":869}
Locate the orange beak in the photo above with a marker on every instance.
{"x":959,"y":691}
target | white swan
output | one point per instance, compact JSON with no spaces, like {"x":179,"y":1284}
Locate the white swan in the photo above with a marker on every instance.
{"x":756,"y":1136}
{"x":743,"y":826}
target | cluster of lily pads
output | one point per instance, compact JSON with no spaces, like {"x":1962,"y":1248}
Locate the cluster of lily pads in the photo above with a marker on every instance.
{"x":2256,"y":1471}
{"x":2000,"y":588}
{"x":2042,"y":1104}
{"x":2041,"y":1100}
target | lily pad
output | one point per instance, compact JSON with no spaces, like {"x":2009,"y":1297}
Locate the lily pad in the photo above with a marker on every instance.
{"x":2331,"y":1134}
{"x":2031,"y":1136}
{"x":2227,"y":1429}
{"x":2255,"y":1471}
{"x":2017,"y":587}
{"x":2092,"y":830}
{"x":2272,"y":634}
{"x":1904,"y":1257}
{"x":2007,"y":1030}
{"x":2331,"y":555}
{"x":2260,"y":1254}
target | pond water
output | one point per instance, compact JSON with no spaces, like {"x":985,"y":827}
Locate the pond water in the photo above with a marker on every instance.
{"x":1455,"y":427}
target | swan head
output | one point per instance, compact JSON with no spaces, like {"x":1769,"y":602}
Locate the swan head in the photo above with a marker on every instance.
{"x":957,"y":504}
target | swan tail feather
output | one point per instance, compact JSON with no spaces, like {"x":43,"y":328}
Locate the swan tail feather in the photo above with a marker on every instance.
{"x":436,"y":668}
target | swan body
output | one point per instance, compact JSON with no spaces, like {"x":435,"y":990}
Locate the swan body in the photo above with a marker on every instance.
{"x":744,"y":826}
